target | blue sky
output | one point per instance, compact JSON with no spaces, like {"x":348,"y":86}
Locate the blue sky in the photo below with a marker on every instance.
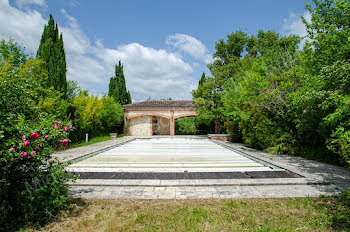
{"x":164,"y":45}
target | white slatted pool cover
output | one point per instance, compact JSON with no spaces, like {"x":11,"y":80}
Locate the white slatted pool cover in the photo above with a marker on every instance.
{"x":168,"y":155}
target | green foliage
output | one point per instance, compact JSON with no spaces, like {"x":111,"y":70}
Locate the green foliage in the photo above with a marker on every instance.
{"x":95,"y":116}
{"x":329,"y":31}
{"x":185,"y":126}
{"x":117,"y":86}
{"x":207,"y":98}
{"x":23,"y":92}
{"x":51,"y":51}
{"x":88,"y":114}
{"x":112,"y":114}
{"x":233,"y":129}
{"x":12,"y":51}
{"x":73,"y":89}
{"x":277,"y":98}
{"x":33,"y":185}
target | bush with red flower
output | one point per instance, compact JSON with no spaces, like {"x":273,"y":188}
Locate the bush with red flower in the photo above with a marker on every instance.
{"x":33,"y":185}
{"x":41,"y":138}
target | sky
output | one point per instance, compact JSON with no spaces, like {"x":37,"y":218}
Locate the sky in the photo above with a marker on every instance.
{"x":164,"y":45}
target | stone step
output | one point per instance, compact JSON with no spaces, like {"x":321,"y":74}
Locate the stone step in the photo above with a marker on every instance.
{"x":196,"y":182}
{"x":160,"y":169}
{"x":168,"y":165}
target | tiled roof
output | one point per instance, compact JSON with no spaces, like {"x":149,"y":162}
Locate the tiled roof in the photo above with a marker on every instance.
{"x":161,"y":103}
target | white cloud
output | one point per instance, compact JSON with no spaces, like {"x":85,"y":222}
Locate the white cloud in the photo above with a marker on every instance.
{"x":149,"y":72}
{"x":74,"y":39}
{"x":190,"y":45}
{"x":22,"y":3}
{"x":294,"y":25}
{"x":23,"y":26}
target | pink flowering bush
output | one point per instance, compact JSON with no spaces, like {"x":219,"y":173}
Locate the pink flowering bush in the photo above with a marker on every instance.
{"x":34,"y":183}
{"x":38,"y":143}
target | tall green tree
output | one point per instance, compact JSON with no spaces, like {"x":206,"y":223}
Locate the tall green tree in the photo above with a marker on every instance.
{"x":117,"y":86}
{"x":202,"y":80}
{"x":276,"y":97}
{"x":51,"y":50}
{"x":207,"y":98}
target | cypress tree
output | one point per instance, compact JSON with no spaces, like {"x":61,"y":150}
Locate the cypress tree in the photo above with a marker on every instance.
{"x":51,"y":50}
{"x":117,"y":86}
{"x":202,"y":80}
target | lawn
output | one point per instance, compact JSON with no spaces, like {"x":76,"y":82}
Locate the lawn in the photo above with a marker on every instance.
{"x":321,"y":214}
{"x":92,"y":141}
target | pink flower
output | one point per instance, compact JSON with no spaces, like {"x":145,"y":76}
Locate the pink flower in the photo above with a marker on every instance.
{"x":45,"y":136}
{"x":35,"y":135}
{"x":65,"y":128}
{"x":56,"y":121}
{"x":34,"y":153}
{"x":64,"y":143}
{"x":70,"y":127}
{"x":23,"y":154}
{"x":37,"y":148}
{"x":26,"y":143}
{"x":55,"y":125}
{"x":60,"y":133}
{"x":12,"y":149}
{"x":24,"y":137}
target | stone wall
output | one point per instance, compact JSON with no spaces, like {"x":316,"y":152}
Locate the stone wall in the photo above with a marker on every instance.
{"x":140,"y":126}
{"x":221,"y":137}
{"x":139,"y":120}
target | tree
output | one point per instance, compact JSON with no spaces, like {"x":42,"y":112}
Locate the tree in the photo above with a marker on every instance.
{"x":117,"y":86}
{"x":207,"y":98}
{"x":23,"y":91}
{"x":112,"y":114}
{"x":73,"y":89}
{"x":51,"y":50}
{"x":12,"y":51}
{"x":329,"y":31}
{"x":202,"y":80}
{"x":88,"y":114}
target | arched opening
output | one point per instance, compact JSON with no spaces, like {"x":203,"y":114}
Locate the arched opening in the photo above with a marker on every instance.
{"x":189,"y":125}
{"x":185,"y":126}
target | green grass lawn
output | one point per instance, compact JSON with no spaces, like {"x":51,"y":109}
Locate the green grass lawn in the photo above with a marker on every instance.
{"x":321,"y":214}
{"x":93,"y":140}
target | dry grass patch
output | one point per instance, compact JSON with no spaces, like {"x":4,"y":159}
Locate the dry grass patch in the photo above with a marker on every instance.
{"x":194,"y":215}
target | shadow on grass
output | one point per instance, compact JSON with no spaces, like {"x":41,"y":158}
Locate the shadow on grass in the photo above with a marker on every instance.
{"x":75,"y":208}
{"x":338,"y":209}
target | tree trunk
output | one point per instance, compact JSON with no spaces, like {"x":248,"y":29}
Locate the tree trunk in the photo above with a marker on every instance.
{"x":217,"y":126}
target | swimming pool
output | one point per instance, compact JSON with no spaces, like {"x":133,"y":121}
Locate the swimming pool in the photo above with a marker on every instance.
{"x":166,"y":155}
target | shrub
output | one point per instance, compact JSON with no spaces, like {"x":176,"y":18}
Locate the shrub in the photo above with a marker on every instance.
{"x":234,"y":131}
{"x":33,"y":185}
{"x":185,"y":126}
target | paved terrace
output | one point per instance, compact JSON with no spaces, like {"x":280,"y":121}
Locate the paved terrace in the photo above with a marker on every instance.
{"x":317,"y":178}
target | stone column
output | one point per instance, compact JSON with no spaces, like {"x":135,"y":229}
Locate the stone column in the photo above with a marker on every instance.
{"x":172,"y":123}
{"x":125,"y":122}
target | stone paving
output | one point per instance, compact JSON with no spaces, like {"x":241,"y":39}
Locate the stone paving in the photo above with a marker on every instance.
{"x":318,"y":179}
{"x":71,"y":154}
{"x":201,"y":192}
